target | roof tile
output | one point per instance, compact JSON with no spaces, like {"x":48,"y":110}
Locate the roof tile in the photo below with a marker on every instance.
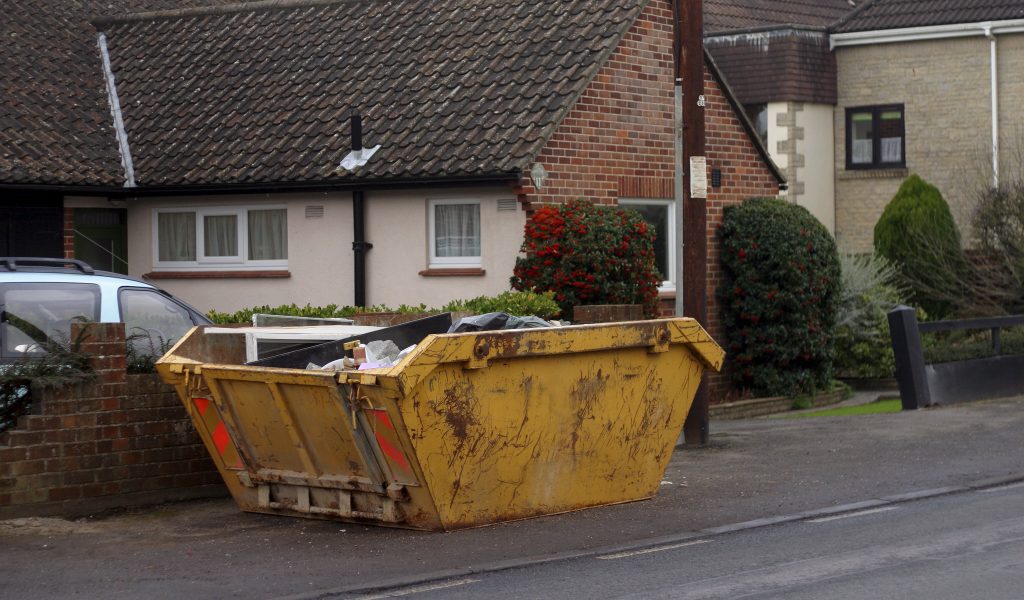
{"x":252,"y":95}
{"x":55,"y":124}
{"x":897,"y":14}
{"x":729,"y":15}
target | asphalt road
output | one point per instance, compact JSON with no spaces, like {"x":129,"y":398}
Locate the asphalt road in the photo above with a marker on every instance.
{"x":966,"y":545}
{"x":754,"y":473}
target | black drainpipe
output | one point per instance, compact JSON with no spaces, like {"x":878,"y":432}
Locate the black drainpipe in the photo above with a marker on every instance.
{"x":359,"y":244}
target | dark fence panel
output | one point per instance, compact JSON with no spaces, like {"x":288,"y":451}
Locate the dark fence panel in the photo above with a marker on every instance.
{"x":924,"y":384}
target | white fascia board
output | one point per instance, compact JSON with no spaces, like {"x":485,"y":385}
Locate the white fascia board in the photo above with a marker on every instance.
{"x":915,"y":34}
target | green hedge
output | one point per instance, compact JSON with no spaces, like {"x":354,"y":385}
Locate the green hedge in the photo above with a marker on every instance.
{"x":515,"y":303}
{"x":542,"y":304}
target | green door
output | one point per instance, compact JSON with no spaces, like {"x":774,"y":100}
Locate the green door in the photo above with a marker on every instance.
{"x":101,"y":238}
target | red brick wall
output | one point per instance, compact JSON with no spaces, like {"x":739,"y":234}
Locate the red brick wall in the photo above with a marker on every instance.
{"x":69,"y":233}
{"x":618,"y":138}
{"x":618,"y":142}
{"x":121,"y":440}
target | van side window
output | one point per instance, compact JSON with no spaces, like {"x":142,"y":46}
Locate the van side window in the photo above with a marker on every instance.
{"x":32,"y":314}
{"x":152,"y":321}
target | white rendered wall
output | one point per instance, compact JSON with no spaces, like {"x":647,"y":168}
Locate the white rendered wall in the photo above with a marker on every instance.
{"x":320,"y":257}
{"x":818,"y":171}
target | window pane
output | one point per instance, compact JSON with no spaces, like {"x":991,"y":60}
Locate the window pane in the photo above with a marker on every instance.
{"x":657,"y":215}
{"x":152,"y":321}
{"x":457,"y":230}
{"x":861,"y":134}
{"x":758,"y":114}
{"x":268,"y":234}
{"x":890,"y":130}
{"x":220,"y":235}
{"x":34,"y":313}
{"x":176,"y":236}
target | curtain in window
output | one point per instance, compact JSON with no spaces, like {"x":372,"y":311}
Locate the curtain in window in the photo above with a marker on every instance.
{"x":176,"y":236}
{"x":892,"y":150}
{"x":268,"y":234}
{"x":862,"y":151}
{"x":457,"y":230}
{"x":220,"y":235}
{"x":862,"y":137}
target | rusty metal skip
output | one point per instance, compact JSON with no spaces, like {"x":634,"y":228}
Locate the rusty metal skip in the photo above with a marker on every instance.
{"x":469,"y":429}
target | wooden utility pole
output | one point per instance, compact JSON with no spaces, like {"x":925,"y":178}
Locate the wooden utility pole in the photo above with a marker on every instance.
{"x":689,"y":59}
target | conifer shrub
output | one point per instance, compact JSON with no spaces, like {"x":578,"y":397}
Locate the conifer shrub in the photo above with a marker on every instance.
{"x":589,"y":254}
{"x":779,"y":297}
{"x":916,"y":232}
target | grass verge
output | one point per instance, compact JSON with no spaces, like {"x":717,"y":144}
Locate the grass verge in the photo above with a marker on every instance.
{"x":871,"y":408}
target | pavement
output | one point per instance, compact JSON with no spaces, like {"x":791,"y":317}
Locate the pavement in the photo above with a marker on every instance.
{"x":754,"y":473}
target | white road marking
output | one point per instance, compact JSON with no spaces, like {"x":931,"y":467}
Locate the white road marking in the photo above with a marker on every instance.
{"x":858,"y":513}
{"x":419,"y":589}
{"x":1002,"y":488}
{"x":650,"y":550}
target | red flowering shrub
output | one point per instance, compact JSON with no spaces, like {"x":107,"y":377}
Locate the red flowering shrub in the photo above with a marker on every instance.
{"x":589,"y":254}
{"x":780,"y":295}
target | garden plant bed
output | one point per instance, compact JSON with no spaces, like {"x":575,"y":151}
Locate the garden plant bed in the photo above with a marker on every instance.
{"x":760,"y":407}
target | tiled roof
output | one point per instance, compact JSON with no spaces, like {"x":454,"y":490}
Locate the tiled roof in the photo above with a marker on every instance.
{"x":55,"y":125}
{"x":264,"y":93}
{"x":897,"y":14}
{"x":730,"y":15}
{"x":788,"y":65}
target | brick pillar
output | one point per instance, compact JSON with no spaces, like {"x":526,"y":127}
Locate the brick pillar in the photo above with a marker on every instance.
{"x":105,"y":345}
{"x":69,"y":232}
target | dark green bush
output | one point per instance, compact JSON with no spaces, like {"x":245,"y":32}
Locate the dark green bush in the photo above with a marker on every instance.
{"x":952,"y":346}
{"x":916,"y":232}
{"x":779,"y":297}
{"x":589,"y":254}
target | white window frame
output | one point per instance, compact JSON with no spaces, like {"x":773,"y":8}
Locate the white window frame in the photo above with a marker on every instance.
{"x":451,"y":262}
{"x":241,"y":233}
{"x":210,"y":263}
{"x":669,"y":285}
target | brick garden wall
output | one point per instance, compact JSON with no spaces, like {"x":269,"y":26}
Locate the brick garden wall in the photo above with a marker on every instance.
{"x":618,"y":142}
{"x":121,"y":440}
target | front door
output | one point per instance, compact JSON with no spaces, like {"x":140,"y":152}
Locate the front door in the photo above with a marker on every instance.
{"x":101,"y":238}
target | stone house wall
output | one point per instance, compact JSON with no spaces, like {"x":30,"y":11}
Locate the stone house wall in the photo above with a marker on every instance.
{"x":945,"y":89}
